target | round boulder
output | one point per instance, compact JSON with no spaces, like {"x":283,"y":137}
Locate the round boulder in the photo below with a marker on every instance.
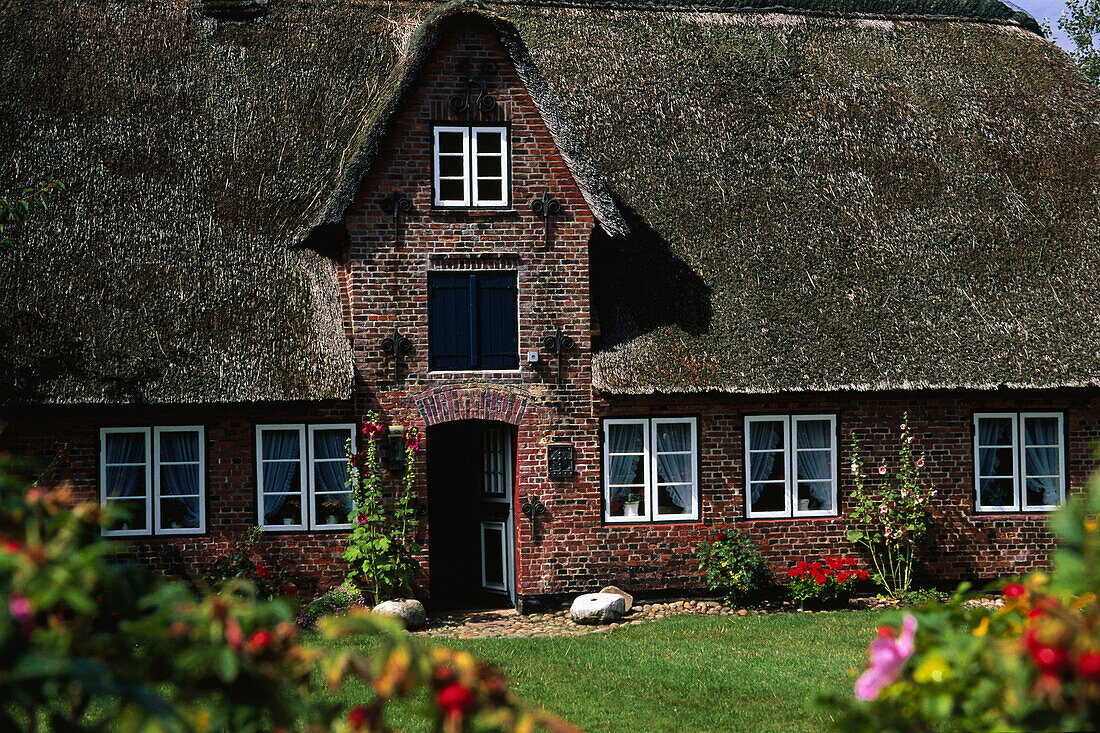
{"x":409,"y":610}
{"x":597,"y":608}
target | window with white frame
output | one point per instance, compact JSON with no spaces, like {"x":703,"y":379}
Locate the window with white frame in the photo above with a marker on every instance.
{"x":302,"y":474}
{"x":154,"y":480}
{"x":790,"y":466}
{"x":470,"y":166}
{"x":1019,"y":461}
{"x":651,"y":469}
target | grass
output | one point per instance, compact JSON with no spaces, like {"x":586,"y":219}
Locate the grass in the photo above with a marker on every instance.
{"x":685,"y":673}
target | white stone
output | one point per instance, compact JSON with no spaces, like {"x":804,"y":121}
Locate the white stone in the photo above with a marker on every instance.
{"x":597,"y":608}
{"x":628,"y":599}
{"x":409,"y":610}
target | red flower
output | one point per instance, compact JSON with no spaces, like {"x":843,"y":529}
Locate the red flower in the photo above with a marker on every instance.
{"x":1088,"y":665}
{"x":260,"y":639}
{"x":261,"y":571}
{"x":11,"y":546}
{"x":1014,"y":590}
{"x":456,"y":699}
{"x":1049,"y":659}
{"x":721,"y":537}
{"x":794,"y":573}
{"x":819,"y":579}
{"x":852,"y":561}
{"x":357,"y":717}
{"x":885,"y":632}
{"x":862,"y":574}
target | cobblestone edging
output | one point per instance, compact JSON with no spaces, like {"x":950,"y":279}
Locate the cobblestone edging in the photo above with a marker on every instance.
{"x":508,"y":624}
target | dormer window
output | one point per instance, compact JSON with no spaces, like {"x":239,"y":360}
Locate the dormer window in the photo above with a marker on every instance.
{"x":470,"y":166}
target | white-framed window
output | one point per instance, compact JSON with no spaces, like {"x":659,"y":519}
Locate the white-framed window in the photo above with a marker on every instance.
{"x":470,"y":166}
{"x":651,"y":469}
{"x":790,"y":466}
{"x":155,"y":479}
{"x":301,"y":475}
{"x":1019,"y":461}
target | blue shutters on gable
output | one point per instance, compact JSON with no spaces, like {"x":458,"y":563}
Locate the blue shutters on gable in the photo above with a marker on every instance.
{"x":472,"y":320}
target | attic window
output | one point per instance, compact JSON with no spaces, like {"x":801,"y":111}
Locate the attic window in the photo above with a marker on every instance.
{"x":470,"y":166}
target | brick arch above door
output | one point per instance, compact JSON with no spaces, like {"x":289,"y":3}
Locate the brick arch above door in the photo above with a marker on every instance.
{"x":448,"y":404}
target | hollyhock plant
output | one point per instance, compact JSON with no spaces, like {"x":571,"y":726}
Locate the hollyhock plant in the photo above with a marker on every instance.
{"x":891,"y":514}
{"x":887,"y":656}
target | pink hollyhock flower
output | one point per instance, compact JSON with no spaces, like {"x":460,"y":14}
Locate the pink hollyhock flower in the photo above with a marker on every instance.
{"x":882,"y":470}
{"x":855,"y":467}
{"x":934,"y":492}
{"x":21,"y":610}
{"x":920,"y":463}
{"x":888,"y":656}
{"x":909,"y":439}
{"x":363,"y":519}
{"x":903,"y":426}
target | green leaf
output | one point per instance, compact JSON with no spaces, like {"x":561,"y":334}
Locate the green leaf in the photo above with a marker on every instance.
{"x":226,"y":664}
{"x":855,"y":535}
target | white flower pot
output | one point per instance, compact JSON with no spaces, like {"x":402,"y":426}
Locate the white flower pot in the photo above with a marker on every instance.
{"x":288,"y":521}
{"x":331,"y":519}
{"x":630,"y":508}
{"x":803,"y":505}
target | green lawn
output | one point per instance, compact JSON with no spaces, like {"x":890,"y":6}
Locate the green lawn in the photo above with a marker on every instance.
{"x":686,"y":673}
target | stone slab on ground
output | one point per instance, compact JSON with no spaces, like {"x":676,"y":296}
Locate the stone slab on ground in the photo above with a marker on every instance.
{"x":597,"y":608}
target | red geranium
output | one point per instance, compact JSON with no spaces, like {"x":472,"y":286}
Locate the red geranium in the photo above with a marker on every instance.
{"x":456,"y":699}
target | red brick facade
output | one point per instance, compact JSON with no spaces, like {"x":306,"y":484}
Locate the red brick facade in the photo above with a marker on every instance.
{"x":383,"y":279}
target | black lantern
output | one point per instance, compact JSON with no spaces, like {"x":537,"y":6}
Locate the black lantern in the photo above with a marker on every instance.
{"x":395,"y":448}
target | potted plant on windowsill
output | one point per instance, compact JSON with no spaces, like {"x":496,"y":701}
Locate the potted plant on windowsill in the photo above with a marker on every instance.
{"x":631,"y":503}
{"x":335,"y":509}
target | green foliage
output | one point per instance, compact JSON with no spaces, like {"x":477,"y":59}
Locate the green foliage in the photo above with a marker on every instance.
{"x":1033,"y":664}
{"x":244,"y":562}
{"x":734,"y":566}
{"x":89,"y":644}
{"x":335,"y":600}
{"x":890,"y":519}
{"x":382,"y":546}
{"x":15,"y":211}
{"x":917,"y":597}
{"x":1081,"y":21}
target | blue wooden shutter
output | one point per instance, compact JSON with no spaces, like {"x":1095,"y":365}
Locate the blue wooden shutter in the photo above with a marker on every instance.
{"x":450,"y":321}
{"x":497,"y":319}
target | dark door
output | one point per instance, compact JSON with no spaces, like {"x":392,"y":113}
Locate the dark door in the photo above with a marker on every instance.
{"x":470,"y":532}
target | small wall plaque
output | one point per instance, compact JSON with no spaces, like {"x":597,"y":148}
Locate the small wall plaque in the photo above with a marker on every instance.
{"x":559,"y":460}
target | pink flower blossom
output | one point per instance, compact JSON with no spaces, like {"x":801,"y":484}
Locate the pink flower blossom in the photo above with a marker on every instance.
{"x":888,"y":656}
{"x":21,"y":610}
{"x":882,"y":470}
{"x":903,"y":426}
{"x":934,"y":492}
{"x":920,"y":463}
{"x":882,"y":509}
{"x":909,"y":439}
{"x":855,"y":467}
{"x":363,"y":519}
{"x":905,"y":493}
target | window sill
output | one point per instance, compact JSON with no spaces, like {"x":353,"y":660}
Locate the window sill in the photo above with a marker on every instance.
{"x":478,"y":372}
{"x":475,"y":211}
{"x":1010,"y":513}
{"x":801,"y":518}
{"x":323,"y":529}
{"x":610,"y":522}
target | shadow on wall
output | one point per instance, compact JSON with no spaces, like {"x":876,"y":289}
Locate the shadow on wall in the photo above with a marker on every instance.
{"x":640,"y":285}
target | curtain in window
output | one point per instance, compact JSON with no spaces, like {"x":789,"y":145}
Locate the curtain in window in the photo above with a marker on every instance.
{"x":624,"y":469}
{"x":181,"y":482}
{"x":330,"y":475}
{"x":674,"y":463}
{"x":1042,"y":461}
{"x":125,"y":480}
{"x":992,"y":432}
{"x":814,"y":465}
{"x":280,"y":447}
{"x":763,"y":435}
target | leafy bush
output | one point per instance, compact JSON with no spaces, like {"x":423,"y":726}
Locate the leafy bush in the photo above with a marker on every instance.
{"x":734,"y":566}
{"x":244,"y":562}
{"x":1033,"y":664}
{"x":334,"y":600}
{"x":917,"y":597}
{"x":86,"y":644}
{"x":891,"y":515}
{"x":833,"y":580}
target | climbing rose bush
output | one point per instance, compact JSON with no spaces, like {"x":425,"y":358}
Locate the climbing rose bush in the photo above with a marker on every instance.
{"x":1033,"y":664}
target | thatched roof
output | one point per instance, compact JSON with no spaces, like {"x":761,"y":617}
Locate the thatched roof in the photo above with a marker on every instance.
{"x":843,"y":193}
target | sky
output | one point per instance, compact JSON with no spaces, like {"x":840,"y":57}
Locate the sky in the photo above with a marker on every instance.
{"x":1052,"y":9}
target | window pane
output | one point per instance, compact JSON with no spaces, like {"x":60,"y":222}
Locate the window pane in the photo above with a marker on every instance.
{"x":331,"y":443}
{"x":815,"y":496}
{"x":282,"y":477}
{"x":619,"y":495}
{"x":489,"y":166}
{"x":674,"y":500}
{"x":488,"y":142}
{"x":493,"y":539}
{"x":767,"y":466}
{"x":995,"y":431}
{"x":766,"y":435}
{"x":129,"y":515}
{"x":179,"y":513}
{"x":330,"y":476}
{"x":124,"y":448}
{"x":179,"y":447}
{"x":179,"y":480}
{"x":125,"y":481}
{"x":280,"y":445}
{"x":813,"y":434}
{"x":815,"y":464}
{"x":451,"y":190}
{"x":996,"y":462}
{"x":767,"y":497}
{"x":673,"y":437}
{"x":451,"y":166}
{"x":996,"y":492}
{"x":450,"y":142}
{"x":282,"y":510}
{"x":332,"y":508}
{"x":1041,"y":431}
{"x":673,"y":468}
{"x":1042,"y":462}
{"x":1043,"y":492}
{"x":625,"y":438}
{"x":489,"y":189}
{"x":626,"y":470}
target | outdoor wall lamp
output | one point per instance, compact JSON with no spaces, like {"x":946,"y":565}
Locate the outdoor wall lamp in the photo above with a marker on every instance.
{"x":395,"y":448}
